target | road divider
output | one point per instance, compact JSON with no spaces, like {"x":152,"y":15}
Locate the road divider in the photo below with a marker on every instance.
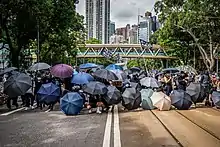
{"x":107,"y":135}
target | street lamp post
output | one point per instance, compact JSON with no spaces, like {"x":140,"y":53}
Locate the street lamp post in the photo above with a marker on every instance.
{"x":38,"y":41}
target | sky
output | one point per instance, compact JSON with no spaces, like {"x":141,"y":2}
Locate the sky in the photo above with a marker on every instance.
{"x":123,"y":11}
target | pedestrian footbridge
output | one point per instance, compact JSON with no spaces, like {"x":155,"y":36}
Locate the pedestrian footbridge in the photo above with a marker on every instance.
{"x":123,"y":51}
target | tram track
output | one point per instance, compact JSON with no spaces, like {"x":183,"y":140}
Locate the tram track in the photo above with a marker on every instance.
{"x":171,"y":134}
{"x":187,"y":130}
{"x":200,"y":126}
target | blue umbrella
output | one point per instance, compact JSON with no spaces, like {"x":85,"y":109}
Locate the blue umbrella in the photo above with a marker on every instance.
{"x":82,"y":78}
{"x":49,"y":93}
{"x":88,"y":65}
{"x":114,"y":67}
{"x":71,"y":103}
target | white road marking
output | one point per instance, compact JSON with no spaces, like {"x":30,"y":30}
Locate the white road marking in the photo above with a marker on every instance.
{"x":11,"y":112}
{"x":107,"y":135}
{"x":47,"y":110}
{"x":117,"y":136}
{"x":16,"y":110}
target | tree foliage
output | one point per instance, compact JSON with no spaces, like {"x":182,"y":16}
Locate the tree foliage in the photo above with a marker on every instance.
{"x":60,"y":27}
{"x":188,"y":24}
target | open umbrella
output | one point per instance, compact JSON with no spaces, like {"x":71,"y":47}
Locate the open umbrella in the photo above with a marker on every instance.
{"x":187,"y":68}
{"x":120,"y":74}
{"x":114,"y":67}
{"x":135,"y":69}
{"x":147,"y":103}
{"x":161,"y":101}
{"x":88,"y":65}
{"x":71,"y":103}
{"x":196,"y":91}
{"x":95,"y":88}
{"x":216,"y":98}
{"x":170,"y":70}
{"x":62,"y":71}
{"x":82,"y":78}
{"x":135,"y":85}
{"x":49,"y":93}
{"x":131,"y":98}
{"x":113,"y":96}
{"x":7,"y":70}
{"x":39,"y":66}
{"x":149,"y":82}
{"x":17,"y":85}
{"x":180,"y":99}
{"x":105,"y":74}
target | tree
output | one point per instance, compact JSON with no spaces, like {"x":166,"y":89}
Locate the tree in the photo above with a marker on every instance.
{"x":57,"y":22}
{"x":199,"y":20}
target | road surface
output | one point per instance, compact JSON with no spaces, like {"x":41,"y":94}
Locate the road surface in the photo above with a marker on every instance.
{"x":118,"y":128}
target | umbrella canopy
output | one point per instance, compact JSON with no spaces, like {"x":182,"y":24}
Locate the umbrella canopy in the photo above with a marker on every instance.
{"x":95,"y":88}
{"x":187,"y":68}
{"x":135,"y":85}
{"x":82,"y":78}
{"x":149,"y":82}
{"x":180,"y":99}
{"x":49,"y":93}
{"x":131,"y":98}
{"x":62,"y":71}
{"x":170,"y":70}
{"x":39,"y":66}
{"x":113,"y":96}
{"x":120,"y":74}
{"x":161,"y":101}
{"x":147,"y":103}
{"x":105,"y":74}
{"x":216,"y":98}
{"x":71,"y":103}
{"x":135,"y":69}
{"x":7,"y":70}
{"x":88,"y":65}
{"x":196,"y":91}
{"x":17,"y":85}
{"x":114,"y":67}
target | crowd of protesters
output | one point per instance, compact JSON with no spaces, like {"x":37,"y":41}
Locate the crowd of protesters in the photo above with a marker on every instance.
{"x":168,"y":82}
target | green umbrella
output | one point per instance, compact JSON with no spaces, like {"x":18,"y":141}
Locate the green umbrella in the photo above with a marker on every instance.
{"x":146,"y":101}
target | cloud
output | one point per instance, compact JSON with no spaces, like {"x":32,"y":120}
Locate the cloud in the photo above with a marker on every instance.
{"x":124,"y":11}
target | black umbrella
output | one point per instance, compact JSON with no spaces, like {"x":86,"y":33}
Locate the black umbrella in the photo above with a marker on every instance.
{"x":17,"y":85}
{"x":136,"y":86}
{"x":196,"y":91}
{"x":216,"y":98}
{"x":135,"y":69}
{"x":95,"y":88}
{"x":180,"y":99}
{"x":105,"y":74}
{"x":113,"y":95}
{"x":131,"y":98}
{"x":7,"y":70}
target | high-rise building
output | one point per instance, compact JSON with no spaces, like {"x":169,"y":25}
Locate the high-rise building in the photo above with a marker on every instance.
{"x":124,"y":31}
{"x":117,"y":39}
{"x":98,"y":19}
{"x":112,"y":28}
{"x":133,"y":34}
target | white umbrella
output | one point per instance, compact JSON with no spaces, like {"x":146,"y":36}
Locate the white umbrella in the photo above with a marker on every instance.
{"x":161,"y":101}
{"x":39,"y":66}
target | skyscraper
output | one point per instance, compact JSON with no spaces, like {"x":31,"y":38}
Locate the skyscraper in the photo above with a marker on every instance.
{"x":98,"y":19}
{"x":112,"y":28}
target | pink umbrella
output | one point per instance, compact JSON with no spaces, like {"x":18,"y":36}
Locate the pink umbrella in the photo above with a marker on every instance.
{"x":62,"y":71}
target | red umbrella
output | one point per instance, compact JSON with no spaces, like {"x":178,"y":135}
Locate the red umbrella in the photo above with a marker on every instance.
{"x":62,"y":71}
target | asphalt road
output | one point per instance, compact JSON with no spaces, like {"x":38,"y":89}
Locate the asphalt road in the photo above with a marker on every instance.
{"x":41,"y":129}
{"x":117,"y":128}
